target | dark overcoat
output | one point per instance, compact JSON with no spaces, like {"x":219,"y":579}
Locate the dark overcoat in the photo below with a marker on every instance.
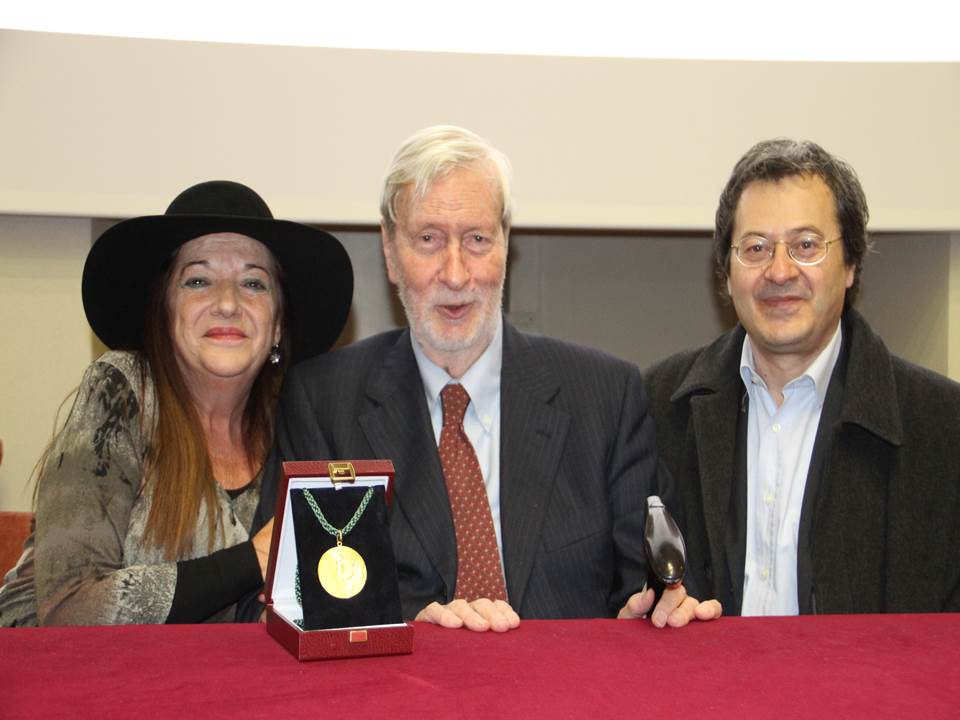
{"x":881,"y":530}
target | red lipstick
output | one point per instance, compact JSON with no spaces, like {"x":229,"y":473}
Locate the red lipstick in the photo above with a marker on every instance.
{"x":226,"y":333}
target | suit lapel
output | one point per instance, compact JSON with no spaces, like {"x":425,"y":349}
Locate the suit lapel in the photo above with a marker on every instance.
{"x":855,"y":501}
{"x":715,"y":426}
{"x":532,"y":438}
{"x":715,"y":389}
{"x":397,"y":426}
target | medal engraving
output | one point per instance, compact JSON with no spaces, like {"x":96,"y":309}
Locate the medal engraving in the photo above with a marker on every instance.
{"x":342,"y":572}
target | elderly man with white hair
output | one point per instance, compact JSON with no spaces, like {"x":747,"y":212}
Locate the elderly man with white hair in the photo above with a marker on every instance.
{"x":523,"y":463}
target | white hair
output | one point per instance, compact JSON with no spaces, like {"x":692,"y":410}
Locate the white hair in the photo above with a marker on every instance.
{"x":429,"y":154}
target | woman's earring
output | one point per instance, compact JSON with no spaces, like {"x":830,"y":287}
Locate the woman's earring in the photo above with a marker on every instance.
{"x":275,"y":355}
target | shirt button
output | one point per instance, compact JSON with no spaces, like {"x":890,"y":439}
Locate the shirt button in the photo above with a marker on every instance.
{"x":776,"y":427}
{"x":764,"y":574}
{"x":768,"y":499}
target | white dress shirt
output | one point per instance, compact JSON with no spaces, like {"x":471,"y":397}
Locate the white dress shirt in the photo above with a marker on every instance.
{"x":482,"y":419}
{"x":779,"y":446}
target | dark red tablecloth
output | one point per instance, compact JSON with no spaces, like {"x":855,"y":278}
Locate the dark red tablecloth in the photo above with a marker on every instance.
{"x":826,"y":667}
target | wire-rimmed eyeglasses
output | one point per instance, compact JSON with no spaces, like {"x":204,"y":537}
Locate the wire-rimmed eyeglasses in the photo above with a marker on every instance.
{"x":756,"y":251}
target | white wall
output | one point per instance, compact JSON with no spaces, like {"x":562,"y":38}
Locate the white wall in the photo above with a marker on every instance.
{"x":112,"y":127}
{"x":46,"y":342}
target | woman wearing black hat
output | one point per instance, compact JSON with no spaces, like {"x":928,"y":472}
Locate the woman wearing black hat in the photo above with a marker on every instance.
{"x":145,"y":497}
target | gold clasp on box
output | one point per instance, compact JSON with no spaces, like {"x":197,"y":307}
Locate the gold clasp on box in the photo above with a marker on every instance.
{"x":341,"y":472}
{"x":358,"y":636}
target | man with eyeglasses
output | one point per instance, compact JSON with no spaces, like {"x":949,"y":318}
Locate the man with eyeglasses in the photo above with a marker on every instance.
{"x":816,"y":472}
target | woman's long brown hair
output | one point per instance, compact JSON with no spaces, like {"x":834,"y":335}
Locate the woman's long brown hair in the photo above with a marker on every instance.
{"x":179,"y":473}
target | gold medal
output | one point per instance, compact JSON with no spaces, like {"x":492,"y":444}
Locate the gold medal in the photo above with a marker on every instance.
{"x":342,"y":572}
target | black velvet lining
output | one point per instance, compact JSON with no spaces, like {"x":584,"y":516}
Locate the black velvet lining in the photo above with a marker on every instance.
{"x":378,"y":603}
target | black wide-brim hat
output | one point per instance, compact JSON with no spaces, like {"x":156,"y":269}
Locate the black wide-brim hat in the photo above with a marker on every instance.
{"x":125,"y":261}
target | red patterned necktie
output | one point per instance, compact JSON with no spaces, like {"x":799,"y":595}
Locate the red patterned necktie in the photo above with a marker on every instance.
{"x":479,"y":574}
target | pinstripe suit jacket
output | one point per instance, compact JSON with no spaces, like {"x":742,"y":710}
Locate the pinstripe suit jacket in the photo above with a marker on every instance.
{"x":577,"y":463}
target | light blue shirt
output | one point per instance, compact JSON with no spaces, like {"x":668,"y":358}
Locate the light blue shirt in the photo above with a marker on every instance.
{"x":482,"y":419}
{"x":779,"y":446}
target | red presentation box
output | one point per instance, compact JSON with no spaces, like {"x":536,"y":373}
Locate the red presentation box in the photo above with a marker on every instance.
{"x":282,"y":606}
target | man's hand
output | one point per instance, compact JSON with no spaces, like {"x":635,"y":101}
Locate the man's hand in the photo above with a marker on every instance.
{"x":480,"y":615}
{"x":675,"y":608}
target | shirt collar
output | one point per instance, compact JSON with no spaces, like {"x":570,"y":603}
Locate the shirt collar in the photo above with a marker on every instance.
{"x":818,"y":372}
{"x":481,"y":381}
